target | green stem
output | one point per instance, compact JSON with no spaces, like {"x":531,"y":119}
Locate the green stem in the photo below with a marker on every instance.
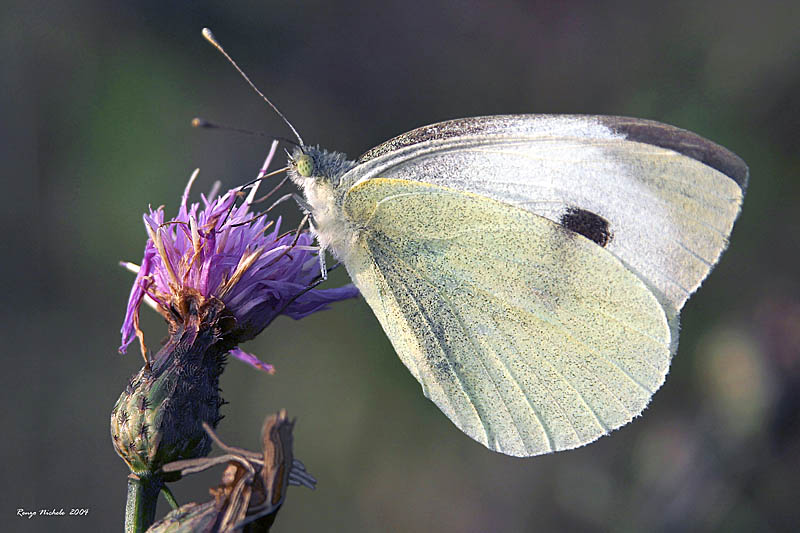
{"x":140,"y":508}
{"x":169,"y":496}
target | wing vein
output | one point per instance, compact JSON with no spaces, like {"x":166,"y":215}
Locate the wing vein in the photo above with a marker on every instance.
{"x":558,"y":324}
{"x":475,"y":349}
{"x":573,"y":161}
{"x":429,"y":325}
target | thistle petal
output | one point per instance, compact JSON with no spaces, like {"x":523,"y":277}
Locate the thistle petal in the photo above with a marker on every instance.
{"x":217,"y":249}
{"x":252,"y":360}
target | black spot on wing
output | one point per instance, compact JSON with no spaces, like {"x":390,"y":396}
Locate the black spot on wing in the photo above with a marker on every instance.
{"x":588,"y":224}
{"x":681,"y":141}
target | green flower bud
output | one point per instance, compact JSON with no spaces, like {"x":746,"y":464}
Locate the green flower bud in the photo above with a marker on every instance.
{"x":159,"y":417}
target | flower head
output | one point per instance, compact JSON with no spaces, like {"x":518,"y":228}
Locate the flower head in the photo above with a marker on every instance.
{"x":223,"y":251}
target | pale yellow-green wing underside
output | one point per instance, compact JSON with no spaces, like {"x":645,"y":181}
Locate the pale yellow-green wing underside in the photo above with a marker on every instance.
{"x":529,"y":337}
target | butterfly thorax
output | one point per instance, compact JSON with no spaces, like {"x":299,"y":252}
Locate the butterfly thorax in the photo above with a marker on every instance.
{"x":324,"y":191}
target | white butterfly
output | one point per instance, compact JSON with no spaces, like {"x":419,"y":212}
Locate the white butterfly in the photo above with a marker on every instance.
{"x":528,"y":269}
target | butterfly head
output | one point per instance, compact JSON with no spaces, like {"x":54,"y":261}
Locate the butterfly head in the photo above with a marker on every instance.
{"x":312,"y":163}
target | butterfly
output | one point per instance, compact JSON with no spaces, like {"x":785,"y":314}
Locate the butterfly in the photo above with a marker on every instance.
{"x":529,"y":270}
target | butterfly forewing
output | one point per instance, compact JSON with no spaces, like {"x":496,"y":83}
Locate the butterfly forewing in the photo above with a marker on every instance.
{"x":667,"y":198}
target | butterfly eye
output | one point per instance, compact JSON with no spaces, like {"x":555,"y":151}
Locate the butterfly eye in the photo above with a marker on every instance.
{"x":304,"y":165}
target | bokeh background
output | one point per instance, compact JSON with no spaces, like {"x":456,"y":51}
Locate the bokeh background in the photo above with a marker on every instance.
{"x":96,"y":102}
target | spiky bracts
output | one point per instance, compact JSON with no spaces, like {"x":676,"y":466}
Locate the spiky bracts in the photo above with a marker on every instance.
{"x":159,"y":416}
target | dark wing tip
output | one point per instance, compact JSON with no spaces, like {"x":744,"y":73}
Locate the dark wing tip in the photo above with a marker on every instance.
{"x":681,"y":141}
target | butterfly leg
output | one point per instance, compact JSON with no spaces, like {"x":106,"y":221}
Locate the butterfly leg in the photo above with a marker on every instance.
{"x":280,"y":201}
{"x":323,"y":269}
{"x":301,"y":202}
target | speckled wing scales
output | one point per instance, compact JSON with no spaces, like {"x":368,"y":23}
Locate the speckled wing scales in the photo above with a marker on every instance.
{"x":529,"y":337}
{"x":670,"y":197}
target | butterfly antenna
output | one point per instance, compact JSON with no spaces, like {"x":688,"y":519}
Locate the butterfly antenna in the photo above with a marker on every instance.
{"x":201,"y":123}
{"x":210,"y":38}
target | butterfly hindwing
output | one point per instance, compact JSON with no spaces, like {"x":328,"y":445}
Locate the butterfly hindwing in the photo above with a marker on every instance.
{"x":530,"y":337}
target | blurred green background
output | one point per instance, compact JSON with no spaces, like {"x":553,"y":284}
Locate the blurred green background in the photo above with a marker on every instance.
{"x":97,"y":99}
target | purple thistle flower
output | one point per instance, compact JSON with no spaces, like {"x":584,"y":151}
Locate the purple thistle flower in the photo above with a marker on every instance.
{"x":226,"y":252}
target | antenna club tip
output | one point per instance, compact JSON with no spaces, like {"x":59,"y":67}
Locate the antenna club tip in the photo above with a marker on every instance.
{"x":209,"y":36}
{"x":198,"y":122}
